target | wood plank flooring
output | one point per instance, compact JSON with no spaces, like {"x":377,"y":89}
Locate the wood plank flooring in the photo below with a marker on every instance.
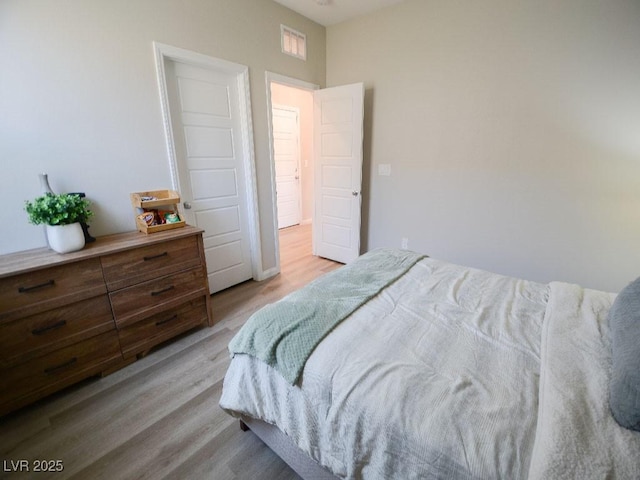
{"x":159,"y":417}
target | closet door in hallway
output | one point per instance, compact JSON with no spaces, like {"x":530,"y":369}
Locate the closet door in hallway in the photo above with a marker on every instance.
{"x":286,"y":154}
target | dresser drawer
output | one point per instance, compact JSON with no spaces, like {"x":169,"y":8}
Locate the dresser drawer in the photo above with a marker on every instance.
{"x":44,"y":332}
{"x":140,"y":301}
{"x":43,"y":375}
{"x":142,"y":335}
{"x":29,"y":293}
{"x":124,"y":269}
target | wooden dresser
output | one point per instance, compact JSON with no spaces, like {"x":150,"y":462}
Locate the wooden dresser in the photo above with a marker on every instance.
{"x":67,"y":317}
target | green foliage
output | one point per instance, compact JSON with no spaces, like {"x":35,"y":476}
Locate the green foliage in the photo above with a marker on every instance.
{"x":60,"y":209}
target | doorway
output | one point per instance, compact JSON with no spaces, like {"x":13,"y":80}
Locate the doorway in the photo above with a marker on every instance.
{"x":335,"y":165}
{"x":293,"y":197}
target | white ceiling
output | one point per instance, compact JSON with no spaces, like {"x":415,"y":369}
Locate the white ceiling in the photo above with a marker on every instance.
{"x":330,"y":12}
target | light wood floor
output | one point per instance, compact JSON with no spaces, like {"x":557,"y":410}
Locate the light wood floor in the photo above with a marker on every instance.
{"x":159,"y":417}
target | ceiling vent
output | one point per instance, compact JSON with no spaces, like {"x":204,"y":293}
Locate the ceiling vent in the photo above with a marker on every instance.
{"x":293,"y":42}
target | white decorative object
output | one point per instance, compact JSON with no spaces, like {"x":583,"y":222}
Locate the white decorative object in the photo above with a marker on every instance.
{"x":65,"y":238}
{"x":44,"y":183}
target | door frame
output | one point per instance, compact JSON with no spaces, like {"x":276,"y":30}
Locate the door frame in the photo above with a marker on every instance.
{"x":270,"y":78}
{"x":164,"y":52}
{"x":295,"y":110}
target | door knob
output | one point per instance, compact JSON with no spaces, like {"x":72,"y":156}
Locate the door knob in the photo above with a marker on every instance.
{"x":354,"y":193}
{"x":187,"y":205}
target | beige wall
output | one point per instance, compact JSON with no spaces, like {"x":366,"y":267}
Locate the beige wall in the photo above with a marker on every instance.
{"x":303,"y":101}
{"x":512,"y":130}
{"x":511,"y":127}
{"x":79,"y":97}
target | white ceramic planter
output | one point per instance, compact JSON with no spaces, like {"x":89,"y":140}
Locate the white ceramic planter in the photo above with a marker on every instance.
{"x":65,"y":238}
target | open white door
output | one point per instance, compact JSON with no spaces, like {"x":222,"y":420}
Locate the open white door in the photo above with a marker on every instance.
{"x":338,"y":132}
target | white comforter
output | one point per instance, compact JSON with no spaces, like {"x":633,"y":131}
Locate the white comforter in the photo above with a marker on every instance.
{"x":453,"y":372}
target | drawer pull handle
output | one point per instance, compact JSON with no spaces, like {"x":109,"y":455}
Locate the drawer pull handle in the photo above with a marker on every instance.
{"x":170,"y":319}
{"x":49,"y":371}
{"x":160,"y":292}
{"x":50,"y":283}
{"x":43,"y":330}
{"x":153,"y":257}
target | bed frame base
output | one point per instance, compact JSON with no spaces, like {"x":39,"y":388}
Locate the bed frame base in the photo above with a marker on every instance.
{"x":299,"y":461}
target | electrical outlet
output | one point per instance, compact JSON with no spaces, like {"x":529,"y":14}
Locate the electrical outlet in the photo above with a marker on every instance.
{"x":384,"y":169}
{"x":405,"y":243}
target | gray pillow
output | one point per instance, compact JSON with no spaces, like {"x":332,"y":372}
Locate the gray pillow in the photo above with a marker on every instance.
{"x":624,"y":323}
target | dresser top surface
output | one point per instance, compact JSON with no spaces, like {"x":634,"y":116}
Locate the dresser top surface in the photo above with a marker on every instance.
{"x":30,"y":260}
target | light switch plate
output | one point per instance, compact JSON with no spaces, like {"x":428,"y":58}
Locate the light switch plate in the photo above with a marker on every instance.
{"x":384,"y":169}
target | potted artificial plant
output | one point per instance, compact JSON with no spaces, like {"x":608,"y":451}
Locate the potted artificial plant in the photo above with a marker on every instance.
{"x":61,"y":214}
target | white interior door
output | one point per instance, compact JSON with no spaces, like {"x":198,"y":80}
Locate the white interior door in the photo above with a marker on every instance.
{"x":286,"y":155}
{"x":338,"y":134}
{"x":205,"y":120}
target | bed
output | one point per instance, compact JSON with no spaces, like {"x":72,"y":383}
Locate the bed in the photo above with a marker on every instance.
{"x":403,"y":366}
